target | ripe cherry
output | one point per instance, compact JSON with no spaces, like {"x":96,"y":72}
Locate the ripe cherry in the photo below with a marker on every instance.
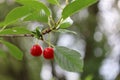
{"x":48,"y":53}
{"x":36,"y":50}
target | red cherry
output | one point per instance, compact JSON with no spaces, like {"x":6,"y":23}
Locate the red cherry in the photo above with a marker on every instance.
{"x":36,"y":50}
{"x":48,"y":53}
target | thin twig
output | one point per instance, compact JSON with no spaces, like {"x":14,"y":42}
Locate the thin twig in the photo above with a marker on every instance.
{"x":24,"y":35}
{"x":46,"y":31}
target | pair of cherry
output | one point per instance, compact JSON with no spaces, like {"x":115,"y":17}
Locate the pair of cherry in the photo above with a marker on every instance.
{"x":36,"y":50}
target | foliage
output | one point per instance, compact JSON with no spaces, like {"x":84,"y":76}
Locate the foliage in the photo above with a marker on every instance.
{"x":15,"y":51}
{"x":34,"y":10}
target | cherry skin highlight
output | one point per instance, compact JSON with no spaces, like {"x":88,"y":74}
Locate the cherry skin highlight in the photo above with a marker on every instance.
{"x":48,"y":53}
{"x":36,"y":50}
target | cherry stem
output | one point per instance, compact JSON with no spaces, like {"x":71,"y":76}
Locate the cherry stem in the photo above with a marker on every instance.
{"x":49,"y":43}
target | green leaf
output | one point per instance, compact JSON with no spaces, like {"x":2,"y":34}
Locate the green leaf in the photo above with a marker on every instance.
{"x":35,"y":4}
{"x":75,"y":6}
{"x":16,"y":14}
{"x":53,"y":2}
{"x":38,"y":33}
{"x":37,"y":16}
{"x":66,"y":31}
{"x":2,"y":53}
{"x":1,"y":24}
{"x":65,"y":25}
{"x":68,"y":59}
{"x":15,"y":51}
{"x":15,"y":31}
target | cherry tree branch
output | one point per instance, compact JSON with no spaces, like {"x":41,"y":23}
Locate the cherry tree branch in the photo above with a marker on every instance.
{"x":46,"y":31}
{"x":20,"y":35}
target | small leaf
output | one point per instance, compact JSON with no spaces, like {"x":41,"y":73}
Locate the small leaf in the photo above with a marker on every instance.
{"x":66,"y":23}
{"x":53,"y":2}
{"x":15,"y":51}
{"x":15,"y":30}
{"x":66,"y":31}
{"x":16,"y":14}
{"x":2,"y":53}
{"x":35,"y":4}
{"x":38,"y":33}
{"x":75,"y":6}
{"x":68,"y":59}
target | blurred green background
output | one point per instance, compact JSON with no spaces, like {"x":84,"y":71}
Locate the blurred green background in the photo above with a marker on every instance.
{"x":97,"y":39}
